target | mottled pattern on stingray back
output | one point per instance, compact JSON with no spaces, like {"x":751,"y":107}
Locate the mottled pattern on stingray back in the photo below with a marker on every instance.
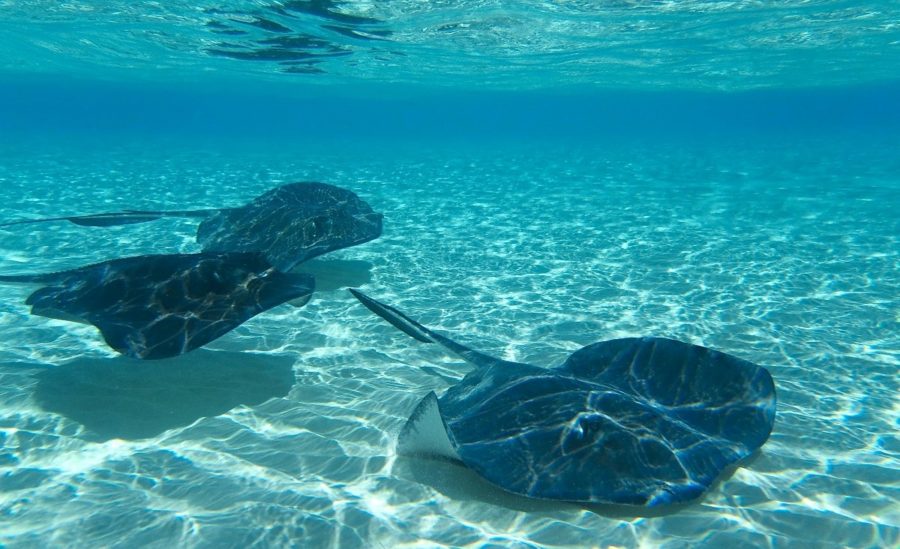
{"x":158,"y":306}
{"x":292,"y":224}
{"x":639,"y":421}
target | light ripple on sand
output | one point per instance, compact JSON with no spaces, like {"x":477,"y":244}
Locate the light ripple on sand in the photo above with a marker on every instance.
{"x":525,"y":255}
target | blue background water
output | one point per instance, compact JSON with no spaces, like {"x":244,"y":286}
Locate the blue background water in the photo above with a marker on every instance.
{"x":280,"y":112}
{"x":551,"y":174}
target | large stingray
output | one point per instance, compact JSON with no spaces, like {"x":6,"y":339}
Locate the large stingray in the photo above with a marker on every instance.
{"x":636,"y":421}
{"x":158,"y":306}
{"x":290,"y":224}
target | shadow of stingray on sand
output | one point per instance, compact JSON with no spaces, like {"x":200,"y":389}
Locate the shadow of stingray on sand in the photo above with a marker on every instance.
{"x":457,"y":482}
{"x":132,"y":399}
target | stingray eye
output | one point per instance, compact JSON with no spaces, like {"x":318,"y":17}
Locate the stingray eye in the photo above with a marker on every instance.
{"x":584,"y":431}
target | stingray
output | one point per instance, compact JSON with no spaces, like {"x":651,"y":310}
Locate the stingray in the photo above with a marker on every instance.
{"x":159,"y":306}
{"x":290,"y":224}
{"x":643,"y":421}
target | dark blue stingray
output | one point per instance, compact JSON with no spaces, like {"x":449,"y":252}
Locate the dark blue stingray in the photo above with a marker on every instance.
{"x":636,"y":421}
{"x":290,"y":224}
{"x":131,"y":300}
{"x":158,"y":306}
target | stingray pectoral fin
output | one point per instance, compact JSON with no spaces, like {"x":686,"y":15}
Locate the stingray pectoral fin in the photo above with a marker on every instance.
{"x":150,"y":333}
{"x":425,"y":433}
{"x":300,"y":301}
{"x":159,"y":306}
{"x":42,"y":304}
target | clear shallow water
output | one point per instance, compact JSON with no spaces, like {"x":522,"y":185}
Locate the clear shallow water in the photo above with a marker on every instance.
{"x":551,"y":173}
{"x":783,"y":252}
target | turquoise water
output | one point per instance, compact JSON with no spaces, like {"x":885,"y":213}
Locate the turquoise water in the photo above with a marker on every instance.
{"x":551,"y":174}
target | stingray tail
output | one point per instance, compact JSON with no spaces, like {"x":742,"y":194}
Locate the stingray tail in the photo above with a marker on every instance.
{"x":399,"y":320}
{"x":420,"y":333}
{"x":29,"y":278}
{"x":112,"y":219}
